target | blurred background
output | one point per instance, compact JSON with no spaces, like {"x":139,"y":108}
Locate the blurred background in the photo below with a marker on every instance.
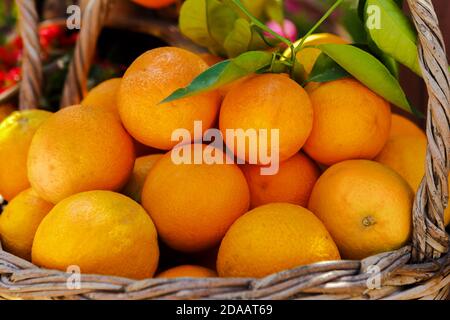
{"x":118,"y":46}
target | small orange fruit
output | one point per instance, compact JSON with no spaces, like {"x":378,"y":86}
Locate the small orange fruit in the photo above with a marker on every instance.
{"x":188,"y":271}
{"x":365,"y":206}
{"x":153,"y":77}
{"x":19,"y":221}
{"x":104,"y":96}
{"x":257,"y":104}
{"x":272,"y":238}
{"x":154,"y":4}
{"x":293,"y":183}
{"x":16,"y":132}
{"x":402,"y":125}
{"x":79,"y":149}
{"x":193,"y":205}
{"x":101,"y":232}
{"x":406,"y":155}
{"x":350,"y":122}
{"x":142,"y":167}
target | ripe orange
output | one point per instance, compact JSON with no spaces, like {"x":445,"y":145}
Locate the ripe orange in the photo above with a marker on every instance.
{"x":257,"y":104}
{"x":101,"y":232}
{"x":350,"y":122}
{"x":406,"y":154}
{"x":307,"y":56}
{"x":188,"y":271}
{"x":79,"y":149}
{"x":272,"y":238}
{"x":402,"y":125}
{"x":142,"y":167}
{"x":104,"y":96}
{"x":293,"y":183}
{"x":151,"y":78}
{"x":235,"y":84}
{"x":154,"y":4}
{"x":193,"y":205}
{"x":365,"y":206}
{"x":19,"y":221}
{"x":16,"y":132}
{"x":6,"y":110}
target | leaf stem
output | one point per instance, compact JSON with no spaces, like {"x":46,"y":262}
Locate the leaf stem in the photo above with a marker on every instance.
{"x":318,"y":24}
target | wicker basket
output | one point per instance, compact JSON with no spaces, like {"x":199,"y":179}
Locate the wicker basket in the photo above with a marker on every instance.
{"x":419,"y":270}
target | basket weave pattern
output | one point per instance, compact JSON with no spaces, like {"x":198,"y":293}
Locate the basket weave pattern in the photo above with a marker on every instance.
{"x":419,"y":270}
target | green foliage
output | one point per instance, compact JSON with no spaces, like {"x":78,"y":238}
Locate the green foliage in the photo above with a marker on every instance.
{"x":395,"y":35}
{"x":225,"y":72}
{"x":326,"y":69}
{"x":368,"y":70}
{"x":222,"y":27}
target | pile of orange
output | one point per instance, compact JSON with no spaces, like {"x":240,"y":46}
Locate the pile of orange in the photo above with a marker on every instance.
{"x":343,"y":188}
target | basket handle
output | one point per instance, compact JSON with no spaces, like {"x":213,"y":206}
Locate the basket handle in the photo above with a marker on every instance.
{"x":31,"y":80}
{"x":75,"y":85}
{"x":429,"y":238}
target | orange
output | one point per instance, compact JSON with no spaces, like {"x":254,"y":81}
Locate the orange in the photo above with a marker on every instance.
{"x":79,"y":149}
{"x":101,"y":232}
{"x":365,"y":206}
{"x":104,"y":96}
{"x":234,"y":84}
{"x":142,"y":167}
{"x":210,"y":59}
{"x":151,"y":78}
{"x":406,"y":154}
{"x":154,"y":4}
{"x":19,"y":221}
{"x":350,"y":122}
{"x":188,"y":271}
{"x":6,"y":110}
{"x":16,"y":132}
{"x":193,"y":205}
{"x":293,"y":183}
{"x":307,"y":56}
{"x":268,"y":102}
{"x":402,"y":125}
{"x":272,"y":238}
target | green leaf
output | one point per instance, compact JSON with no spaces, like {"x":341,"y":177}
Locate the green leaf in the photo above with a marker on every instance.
{"x":193,"y":23}
{"x":326,"y":69}
{"x":239,"y":39}
{"x":256,"y":7}
{"x":361,"y":9}
{"x":395,"y":34}
{"x":399,"y":3}
{"x":386,"y":59}
{"x":221,"y":19}
{"x":223,"y":73}
{"x":369,"y":71}
{"x":352,"y":23}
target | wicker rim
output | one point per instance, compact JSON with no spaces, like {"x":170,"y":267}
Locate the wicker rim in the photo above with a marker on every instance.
{"x":429,"y":278}
{"x":31,"y":83}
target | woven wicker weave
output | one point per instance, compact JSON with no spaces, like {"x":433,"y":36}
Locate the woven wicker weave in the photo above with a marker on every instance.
{"x":417,"y":271}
